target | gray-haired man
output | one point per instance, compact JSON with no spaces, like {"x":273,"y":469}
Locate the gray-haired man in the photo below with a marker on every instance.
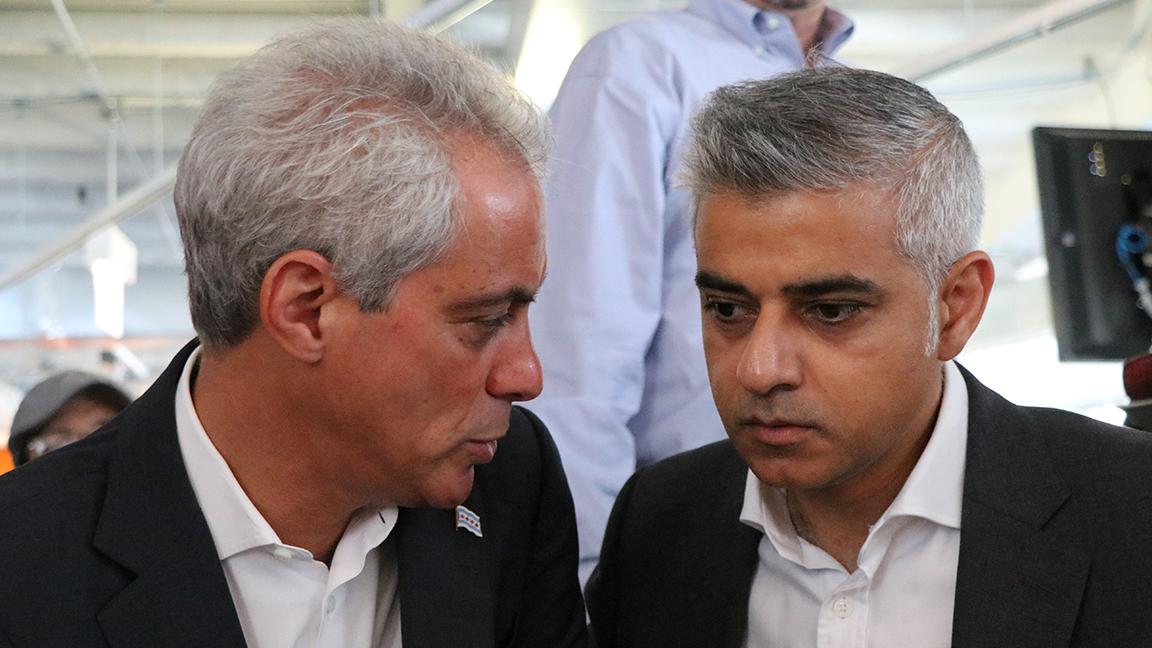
{"x":871,"y":493}
{"x":361,"y":216}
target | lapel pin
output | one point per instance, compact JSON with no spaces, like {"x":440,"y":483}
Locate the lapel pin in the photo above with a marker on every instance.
{"x":467,"y":519}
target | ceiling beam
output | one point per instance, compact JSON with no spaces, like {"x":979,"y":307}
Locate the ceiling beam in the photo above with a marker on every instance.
{"x":1029,"y":25}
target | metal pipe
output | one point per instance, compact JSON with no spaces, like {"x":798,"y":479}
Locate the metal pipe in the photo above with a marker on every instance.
{"x":134,"y":202}
{"x":1027,"y":26}
{"x":112,"y":163}
{"x":439,"y":15}
{"x":433,"y":17}
{"x":82,"y":53}
{"x":158,"y":115}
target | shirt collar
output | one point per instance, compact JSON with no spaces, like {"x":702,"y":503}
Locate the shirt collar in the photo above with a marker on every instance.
{"x":935,"y":488}
{"x":748,"y":23}
{"x":233,"y":519}
{"x":766,"y":510}
{"x":933,"y":491}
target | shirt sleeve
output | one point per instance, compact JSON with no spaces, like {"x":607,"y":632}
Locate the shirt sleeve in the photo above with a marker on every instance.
{"x":601,"y":304}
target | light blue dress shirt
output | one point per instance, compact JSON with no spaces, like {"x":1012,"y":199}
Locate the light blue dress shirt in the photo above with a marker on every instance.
{"x":617,"y":323}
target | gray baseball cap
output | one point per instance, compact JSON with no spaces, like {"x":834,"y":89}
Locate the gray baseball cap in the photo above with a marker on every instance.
{"x":44,"y":400}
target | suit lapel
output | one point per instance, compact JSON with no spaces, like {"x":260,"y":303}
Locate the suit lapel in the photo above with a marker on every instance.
{"x":152,"y":525}
{"x":721,"y":587}
{"x":728,"y":587}
{"x":1015,"y":586}
{"x":446,"y":595}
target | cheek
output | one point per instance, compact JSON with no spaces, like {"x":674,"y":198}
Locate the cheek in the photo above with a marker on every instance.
{"x":868,"y":387}
{"x":891,"y":401}
{"x":461,"y":401}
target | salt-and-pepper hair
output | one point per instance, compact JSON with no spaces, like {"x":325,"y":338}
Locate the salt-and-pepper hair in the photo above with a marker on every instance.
{"x":337,"y":139}
{"x":831,"y":127}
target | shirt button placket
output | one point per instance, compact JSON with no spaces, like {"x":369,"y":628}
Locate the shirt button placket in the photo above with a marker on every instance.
{"x":842,"y":607}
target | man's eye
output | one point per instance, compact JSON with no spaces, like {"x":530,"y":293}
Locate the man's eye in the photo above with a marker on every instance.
{"x":834,"y":312}
{"x":496,"y":322}
{"x":482,"y":330}
{"x":725,"y":311}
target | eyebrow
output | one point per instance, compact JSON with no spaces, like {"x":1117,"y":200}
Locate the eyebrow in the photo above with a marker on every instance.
{"x":514,"y":295}
{"x":812,"y":288}
{"x":836,"y":284}
{"x":708,"y":281}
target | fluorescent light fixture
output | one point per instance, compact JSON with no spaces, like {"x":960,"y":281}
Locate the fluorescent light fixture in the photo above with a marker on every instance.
{"x":111,"y":257}
{"x":554,"y":36}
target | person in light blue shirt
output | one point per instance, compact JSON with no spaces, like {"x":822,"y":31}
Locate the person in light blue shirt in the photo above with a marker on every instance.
{"x":617,"y":324}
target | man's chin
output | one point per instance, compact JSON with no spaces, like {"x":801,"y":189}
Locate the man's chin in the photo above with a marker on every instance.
{"x":779,"y":470}
{"x":451,"y":493}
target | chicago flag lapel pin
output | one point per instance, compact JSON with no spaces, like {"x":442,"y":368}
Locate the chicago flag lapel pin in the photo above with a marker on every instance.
{"x":467,"y":519}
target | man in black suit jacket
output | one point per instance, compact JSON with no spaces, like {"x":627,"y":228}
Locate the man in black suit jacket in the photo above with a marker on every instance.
{"x":360,"y":210}
{"x":838,"y":212}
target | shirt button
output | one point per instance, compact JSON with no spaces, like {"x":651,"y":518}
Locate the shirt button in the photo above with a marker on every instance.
{"x":773,"y":22}
{"x":758,"y":51}
{"x":283,"y":553}
{"x":330,"y":606}
{"x":842,"y":607}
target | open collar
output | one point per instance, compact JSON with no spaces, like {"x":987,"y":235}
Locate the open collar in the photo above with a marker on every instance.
{"x":151,"y":525}
{"x":757,"y":27}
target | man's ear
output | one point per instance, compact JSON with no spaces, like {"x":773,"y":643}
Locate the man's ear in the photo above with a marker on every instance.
{"x":962,"y":298}
{"x":294,"y":290}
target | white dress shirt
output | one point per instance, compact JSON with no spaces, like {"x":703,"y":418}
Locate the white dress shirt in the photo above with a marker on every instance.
{"x":903,"y":591}
{"x":283,"y":597}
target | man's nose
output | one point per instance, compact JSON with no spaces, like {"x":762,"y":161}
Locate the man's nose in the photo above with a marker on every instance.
{"x":771,"y":358}
{"x":517,"y":375}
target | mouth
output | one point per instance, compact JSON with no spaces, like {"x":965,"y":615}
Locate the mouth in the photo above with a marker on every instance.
{"x":481,"y":451}
{"x":778,"y":432}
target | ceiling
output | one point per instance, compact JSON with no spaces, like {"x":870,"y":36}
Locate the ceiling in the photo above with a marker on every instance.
{"x":98,"y":96}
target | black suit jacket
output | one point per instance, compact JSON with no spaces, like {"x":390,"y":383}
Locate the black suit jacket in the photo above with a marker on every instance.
{"x":1055,"y":539}
{"x":103,"y":544}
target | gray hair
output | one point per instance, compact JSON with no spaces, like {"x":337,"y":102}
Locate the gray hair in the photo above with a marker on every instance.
{"x":827,"y":128}
{"x":336,"y":139}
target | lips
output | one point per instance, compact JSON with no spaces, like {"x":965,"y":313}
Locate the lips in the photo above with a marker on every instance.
{"x":482,"y":451}
{"x":778,"y":432}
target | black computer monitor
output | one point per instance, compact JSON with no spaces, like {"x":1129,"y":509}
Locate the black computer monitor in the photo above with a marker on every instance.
{"x":1096,"y":193}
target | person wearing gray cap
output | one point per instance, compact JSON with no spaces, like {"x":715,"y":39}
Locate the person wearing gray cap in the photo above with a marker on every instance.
{"x":61,"y":409}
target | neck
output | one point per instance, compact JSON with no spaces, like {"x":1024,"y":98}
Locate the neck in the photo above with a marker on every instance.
{"x":838,"y":518}
{"x":839,"y":526}
{"x":806,"y":23}
{"x":248,"y":410}
{"x":807,"y":18}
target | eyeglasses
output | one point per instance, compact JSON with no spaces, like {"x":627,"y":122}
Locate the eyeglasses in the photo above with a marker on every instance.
{"x":53,"y":440}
